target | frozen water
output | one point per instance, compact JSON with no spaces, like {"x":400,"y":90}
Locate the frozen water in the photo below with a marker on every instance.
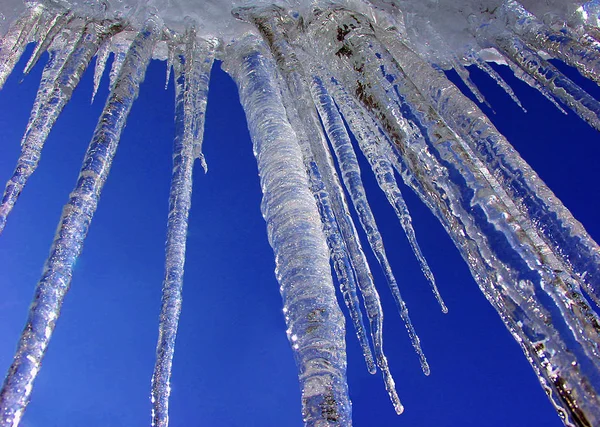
{"x":309,"y":74}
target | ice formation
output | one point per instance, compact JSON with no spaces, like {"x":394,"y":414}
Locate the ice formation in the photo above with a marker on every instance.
{"x":309,"y":75}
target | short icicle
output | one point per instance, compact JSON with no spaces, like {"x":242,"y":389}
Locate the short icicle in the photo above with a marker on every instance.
{"x":101,"y":58}
{"x":315,"y":322}
{"x":487,"y":68}
{"x":60,"y":77}
{"x":201,"y":60}
{"x":58,"y":54}
{"x":465,"y":76}
{"x":119,"y":49}
{"x":71,"y":232}
{"x":56,"y":24}
{"x":169,"y":64}
{"x":192,"y":71}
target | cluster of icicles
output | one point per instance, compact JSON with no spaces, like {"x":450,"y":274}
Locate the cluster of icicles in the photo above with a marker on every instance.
{"x":305,"y":82}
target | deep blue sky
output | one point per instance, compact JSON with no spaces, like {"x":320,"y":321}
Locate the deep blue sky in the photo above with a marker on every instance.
{"x":233,"y":365}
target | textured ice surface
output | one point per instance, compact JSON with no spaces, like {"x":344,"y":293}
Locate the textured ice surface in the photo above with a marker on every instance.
{"x":302,"y":69}
{"x":445,"y":20}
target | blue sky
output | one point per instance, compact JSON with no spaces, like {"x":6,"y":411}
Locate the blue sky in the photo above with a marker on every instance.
{"x":233,"y":365}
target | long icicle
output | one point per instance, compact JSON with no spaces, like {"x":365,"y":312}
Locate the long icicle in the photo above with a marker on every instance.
{"x":349,"y":262}
{"x":345,"y":274}
{"x":384,"y":174}
{"x":192,"y":64}
{"x":351,"y":177}
{"x":315,"y":322}
{"x":53,"y":95}
{"x":15,"y":40}
{"x":72,"y":229}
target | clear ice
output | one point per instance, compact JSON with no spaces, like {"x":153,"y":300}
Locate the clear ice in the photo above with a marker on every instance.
{"x":317,"y":80}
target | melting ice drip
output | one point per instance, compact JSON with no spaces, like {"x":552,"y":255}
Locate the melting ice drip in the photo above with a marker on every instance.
{"x":302,"y":70}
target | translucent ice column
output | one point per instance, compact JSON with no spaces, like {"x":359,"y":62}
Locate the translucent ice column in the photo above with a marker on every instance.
{"x":72,"y":230}
{"x":193,"y":62}
{"x":315,"y":322}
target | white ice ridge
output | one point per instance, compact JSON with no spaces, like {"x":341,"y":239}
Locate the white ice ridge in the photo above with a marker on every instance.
{"x":311,"y":76}
{"x":433,"y":28}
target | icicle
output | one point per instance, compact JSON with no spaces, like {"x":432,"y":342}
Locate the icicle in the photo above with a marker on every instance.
{"x":546,"y":74}
{"x":101,"y":58}
{"x":60,"y":77}
{"x":384,"y":174}
{"x":119,"y":48}
{"x":531,"y":82}
{"x":56,"y":62}
{"x":465,"y":76}
{"x":519,"y":231}
{"x":580,"y":318}
{"x":508,"y":259}
{"x":56,"y":24}
{"x":14,"y":41}
{"x":315,"y":323}
{"x":351,"y":173}
{"x":342,"y":258}
{"x":486,"y":68}
{"x":342,"y":263}
{"x":191,"y":90}
{"x":346,"y":252}
{"x":71,"y":232}
{"x":345,"y":249}
{"x":303,"y":117}
{"x":200,"y":61}
{"x":170,"y":60}
{"x":558,"y":44}
{"x":563,"y":233}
